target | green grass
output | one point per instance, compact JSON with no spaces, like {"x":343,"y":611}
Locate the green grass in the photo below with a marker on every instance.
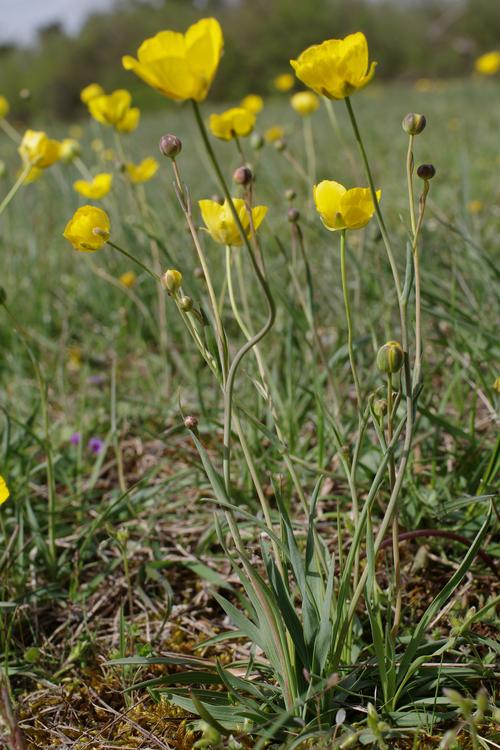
{"x":137,"y":552}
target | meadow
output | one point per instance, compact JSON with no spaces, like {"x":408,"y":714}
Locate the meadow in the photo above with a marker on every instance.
{"x":157,"y":591}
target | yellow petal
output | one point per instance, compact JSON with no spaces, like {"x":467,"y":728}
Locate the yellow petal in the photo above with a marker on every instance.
{"x":4,"y":490}
{"x":88,"y":229}
{"x":327,"y":198}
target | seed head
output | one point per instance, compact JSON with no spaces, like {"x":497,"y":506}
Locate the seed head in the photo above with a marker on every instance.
{"x":243,"y":176}
{"x":426,"y":171}
{"x":390,"y":357}
{"x":413,"y":124}
{"x":172,"y":280}
{"x":170,"y":145}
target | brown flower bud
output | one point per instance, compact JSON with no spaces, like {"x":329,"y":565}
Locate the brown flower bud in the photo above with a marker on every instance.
{"x":243,"y":176}
{"x":426,"y":171}
{"x":191,"y":423}
{"x":293,"y":215}
{"x":170,"y":145}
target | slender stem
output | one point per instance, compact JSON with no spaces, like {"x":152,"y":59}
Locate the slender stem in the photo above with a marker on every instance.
{"x":409,"y":179}
{"x":134,"y":260}
{"x":9,"y":130}
{"x":395,"y":521}
{"x":309,"y":147}
{"x":228,"y":392}
{"x":349,"y":318}
{"x":10,"y":195}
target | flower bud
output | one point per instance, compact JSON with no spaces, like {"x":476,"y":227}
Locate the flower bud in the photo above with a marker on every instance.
{"x":243,"y":176}
{"x":172,"y":280}
{"x":413,"y":124}
{"x":186,"y":304}
{"x":426,"y":171}
{"x":293,"y":215}
{"x":217,"y":199}
{"x":170,"y":145}
{"x":280,"y":144}
{"x":290,"y":194}
{"x":191,"y":423}
{"x":256,"y":141}
{"x":390,"y":357}
{"x":380,"y":407}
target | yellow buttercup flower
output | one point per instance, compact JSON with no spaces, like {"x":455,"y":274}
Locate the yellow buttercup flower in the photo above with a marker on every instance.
{"x":96,"y":188}
{"x":110,"y":109}
{"x":340,"y":208}
{"x":180,"y":66}
{"x":305,"y":103}
{"x":144,"y":171}
{"x":220,"y":222}
{"x":488,"y":64}
{"x":128,"y":279}
{"x":284,"y":82}
{"x":475,"y":207}
{"x":88,"y":230}
{"x":232,"y":123}
{"x":90,"y":92}
{"x":130,"y":121}
{"x":253,"y":102}
{"x":38,"y":149}
{"x":336,"y":68}
{"x":69,"y":149}
{"x":4,"y":490}
{"x":274,"y":133}
{"x":4,"y":107}
{"x":496,"y":385}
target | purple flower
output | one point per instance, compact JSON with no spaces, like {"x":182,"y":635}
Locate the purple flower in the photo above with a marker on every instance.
{"x":95,"y":445}
{"x":98,"y":379}
{"x":76,"y":438}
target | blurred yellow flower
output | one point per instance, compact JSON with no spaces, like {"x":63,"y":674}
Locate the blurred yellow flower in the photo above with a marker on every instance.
{"x":4,"y":107}
{"x":496,"y":385}
{"x":74,"y":359}
{"x":69,"y":149}
{"x":33,"y":175}
{"x":488,"y":64}
{"x":343,"y":209}
{"x":232,"y":123}
{"x":475,"y":207}
{"x":180,"y":66}
{"x":96,"y":188}
{"x":425,"y":85}
{"x":274,"y":133}
{"x":144,"y":171}
{"x":130,"y":121}
{"x":220,"y":222}
{"x":284,"y":82}
{"x":4,"y":490}
{"x":38,"y":149}
{"x":113,"y":109}
{"x":88,"y":229}
{"x":336,"y":68}
{"x":90,"y":92}
{"x":97,"y":145}
{"x":76,"y":132}
{"x":108,"y":154}
{"x":253,"y":102}
{"x":128,"y":279}
{"x":305,"y":103}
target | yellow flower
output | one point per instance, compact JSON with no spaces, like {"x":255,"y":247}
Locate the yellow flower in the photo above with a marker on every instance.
{"x":108,"y":154}
{"x":96,"y":188}
{"x":180,"y":66}
{"x":221,"y":225}
{"x":496,"y":385}
{"x":4,"y":107}
{"x":284,"y":82}
{"x":70,"y":149}
{"x":488,"y":64}
{"x":4,"y":490}
{"x":74,"y":362}
{"x":275,"y":133}
{"x":111,"y":109}
{"x":90,"y":92}
{"x":33,"y":175}
{"x":96,"y":145}
{"x":336,"y":68}
{"x":88,"y":230}
{"x":305,"y":103}
{"x":475,"y":207}
{"x":128,"y":279}
{"x":253,"y":102}
{"x":231,"y":123}
{"x":144,"y":171}
{"x":38,"y":149}
{"x":343,"y":209}
{"x":130,"y":121}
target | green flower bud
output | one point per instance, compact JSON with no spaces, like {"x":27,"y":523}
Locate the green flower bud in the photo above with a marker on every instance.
{"x":256,"y":141}
{"x":413,"y":124}
{"x":186,"y":304}
{"x":380,"y":407}
{"x":172,"y":280}
{"x":290,"y":194}
{"x":170,"y":145}
{"x":280,"y":144}
{"x":426,"y":171}
{"x":390,"y":357}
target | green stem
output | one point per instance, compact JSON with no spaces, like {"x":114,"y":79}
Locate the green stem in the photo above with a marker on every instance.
{"x":10,"y":195}
{"x":349,"y":319}
{"x":409,"y":179}
{"x":309,"y":147}
{"x":10,"y":131}
{"x":154,"y":275}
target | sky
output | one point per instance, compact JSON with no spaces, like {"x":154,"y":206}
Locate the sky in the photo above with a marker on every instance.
{"x":19,"y":19}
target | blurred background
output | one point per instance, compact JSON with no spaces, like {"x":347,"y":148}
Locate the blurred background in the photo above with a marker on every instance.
{"x":51,"y":49}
